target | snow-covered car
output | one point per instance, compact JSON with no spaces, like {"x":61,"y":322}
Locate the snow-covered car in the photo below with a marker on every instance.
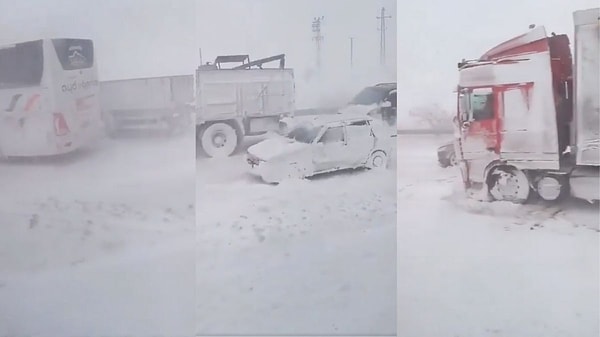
{"x":446,"y":155}
{"x":320,"y":144}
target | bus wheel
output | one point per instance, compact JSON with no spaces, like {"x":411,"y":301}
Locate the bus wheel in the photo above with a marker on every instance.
{"x":508,"y":184}
{"x":219,"y":140}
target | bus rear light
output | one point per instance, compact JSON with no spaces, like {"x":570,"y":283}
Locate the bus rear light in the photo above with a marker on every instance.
{"x":60,"y":125}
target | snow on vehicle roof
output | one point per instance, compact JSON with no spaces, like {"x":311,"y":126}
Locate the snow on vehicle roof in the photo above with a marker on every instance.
{"x":321,"y":120}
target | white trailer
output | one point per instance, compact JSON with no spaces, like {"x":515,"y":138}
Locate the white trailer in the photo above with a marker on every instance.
{"x":238,"y":102}
{"x":584,"y":179}
{"x":142,"y":103}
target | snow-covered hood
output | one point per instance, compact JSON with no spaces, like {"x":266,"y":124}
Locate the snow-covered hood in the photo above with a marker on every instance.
{"x":276,"y":147}
{"x":357,"y":109}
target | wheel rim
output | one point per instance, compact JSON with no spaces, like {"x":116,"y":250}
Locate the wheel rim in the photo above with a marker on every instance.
{"x":378,"y":161}
{"x":219,"y":140}
{"x":453,"y":161}
{"x":511,"y":185}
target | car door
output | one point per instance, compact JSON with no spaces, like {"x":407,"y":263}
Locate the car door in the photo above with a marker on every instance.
{"x":360,"y":141}
{"x":330,"y":149}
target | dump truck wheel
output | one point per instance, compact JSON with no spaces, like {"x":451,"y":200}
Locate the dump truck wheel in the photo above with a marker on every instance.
{"x":219,"y":140}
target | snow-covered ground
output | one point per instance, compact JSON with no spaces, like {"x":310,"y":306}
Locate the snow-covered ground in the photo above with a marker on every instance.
{"x":304,"y":257}
{"x":100,"y":243}
{"x":467,"y":268}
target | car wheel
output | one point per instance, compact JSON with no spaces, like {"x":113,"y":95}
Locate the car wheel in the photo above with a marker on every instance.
{"x":452,"y":159}
{"x":219,"y":140}
{"x":378,"y":160}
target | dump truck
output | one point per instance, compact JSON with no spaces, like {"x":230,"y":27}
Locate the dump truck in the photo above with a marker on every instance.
{"x":529,"y":116}
{"x":245,"y":100}
{"x":147,"y":103}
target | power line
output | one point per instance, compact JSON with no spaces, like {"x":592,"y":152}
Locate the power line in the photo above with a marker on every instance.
{"x":382,"y":29}
{"x":351,"y":52}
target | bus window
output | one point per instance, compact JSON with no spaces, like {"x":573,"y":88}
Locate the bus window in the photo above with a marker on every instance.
{"x":74,"y":54}
{"x":21,"y":65}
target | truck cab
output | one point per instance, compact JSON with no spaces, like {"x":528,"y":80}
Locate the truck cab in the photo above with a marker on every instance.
{"x":517,"y":108}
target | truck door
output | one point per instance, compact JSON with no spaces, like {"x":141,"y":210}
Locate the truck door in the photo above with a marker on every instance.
{"x":478,"y":116}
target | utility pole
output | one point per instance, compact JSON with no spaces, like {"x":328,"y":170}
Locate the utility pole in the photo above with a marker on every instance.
{"x":318,"y":38}
{"x":200,"y":51}
{"x":351,"y":52}
{"x":382,"y":37}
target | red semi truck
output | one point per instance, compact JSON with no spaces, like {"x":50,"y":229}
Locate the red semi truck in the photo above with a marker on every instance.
{"x":528,"y":116}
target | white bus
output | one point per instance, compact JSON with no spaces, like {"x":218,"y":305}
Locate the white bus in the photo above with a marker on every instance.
{"x":49,"y":102}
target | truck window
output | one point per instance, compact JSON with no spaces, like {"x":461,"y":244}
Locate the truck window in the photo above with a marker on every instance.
{"x":482,"y":106}
{"x":21,"y":65}
{"x":74,"y":53}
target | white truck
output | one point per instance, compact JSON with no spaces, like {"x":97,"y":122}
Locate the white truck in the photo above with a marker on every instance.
{"x":142,"y":103}
{"x":240,"y":101}
{"x":529,"y":116}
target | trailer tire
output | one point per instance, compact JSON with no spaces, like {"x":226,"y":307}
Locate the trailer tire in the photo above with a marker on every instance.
{"x":219,"y":140}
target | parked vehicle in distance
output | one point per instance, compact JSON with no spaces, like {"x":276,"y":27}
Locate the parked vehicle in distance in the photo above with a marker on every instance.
{"x":378,"y":101}
{"x":446,"y":155}
{"x":320,"y":144}
{"x":147,"y":103}
{"x":49,"y":97}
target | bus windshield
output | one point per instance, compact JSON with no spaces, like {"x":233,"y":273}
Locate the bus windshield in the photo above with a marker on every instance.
{"x":74,"y":54}
{"x":21,"y":65}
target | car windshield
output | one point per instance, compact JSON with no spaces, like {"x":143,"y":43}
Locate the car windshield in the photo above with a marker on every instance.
{"x":369,"y":95}
{"x":304,"y":134}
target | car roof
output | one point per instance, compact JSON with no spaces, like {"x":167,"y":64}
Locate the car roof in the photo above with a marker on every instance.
{"x":322,"y":120}
{"x":388,"y":86}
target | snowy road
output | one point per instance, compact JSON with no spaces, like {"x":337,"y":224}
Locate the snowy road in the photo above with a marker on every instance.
{"x":100,"y":243}
{"x":304,"y":257}
{"x":467,"y":268}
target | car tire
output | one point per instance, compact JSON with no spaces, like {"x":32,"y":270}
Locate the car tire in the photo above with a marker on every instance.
{"x":452,"y":159}
{"x":378,"y":160}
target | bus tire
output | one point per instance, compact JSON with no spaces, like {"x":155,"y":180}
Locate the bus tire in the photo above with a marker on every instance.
{"x":219,"y":140}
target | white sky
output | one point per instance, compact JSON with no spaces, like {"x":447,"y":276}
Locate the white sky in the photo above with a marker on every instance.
{"x":433,"y":35}
{"x":138,"y":38}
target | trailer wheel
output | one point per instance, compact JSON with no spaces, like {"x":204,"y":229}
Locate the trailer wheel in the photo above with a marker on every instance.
{"x":219,"y":140}
{"x":508,"y":184}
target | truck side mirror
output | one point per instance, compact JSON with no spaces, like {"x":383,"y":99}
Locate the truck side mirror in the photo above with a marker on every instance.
{"x":386,"y":104}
